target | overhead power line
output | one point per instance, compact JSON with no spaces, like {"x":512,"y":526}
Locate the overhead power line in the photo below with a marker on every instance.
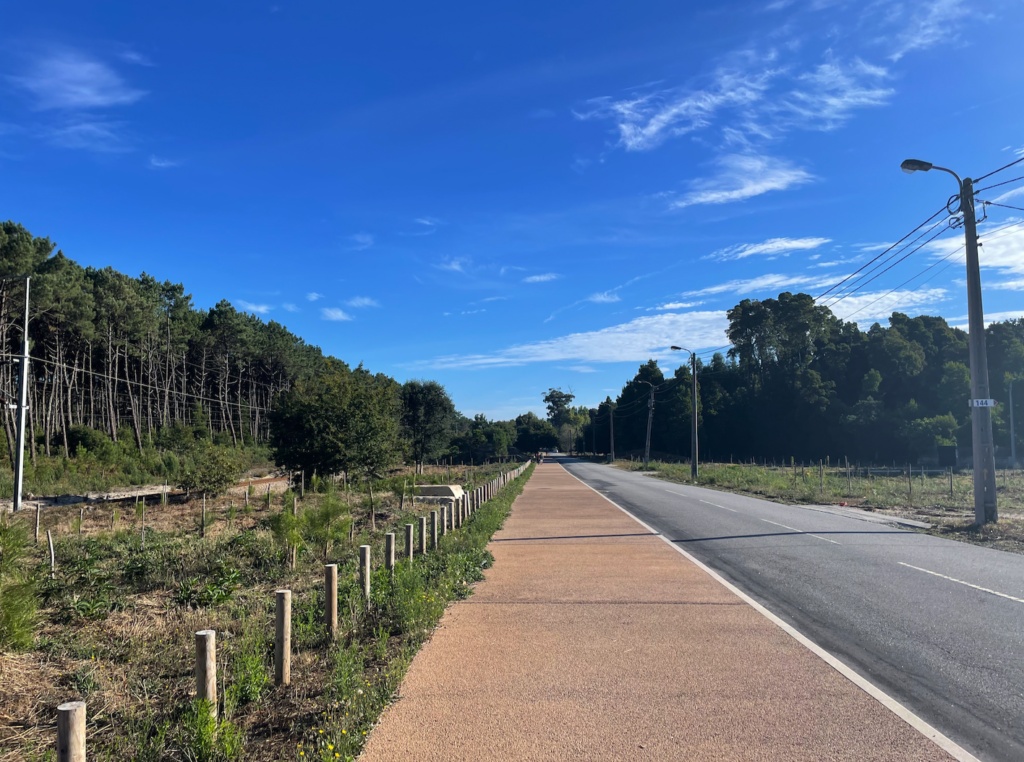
{"x":994,"y":171}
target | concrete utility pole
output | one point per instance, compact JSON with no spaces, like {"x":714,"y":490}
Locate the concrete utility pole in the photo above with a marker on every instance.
{"x":694,"y":470}
{"x":19,"y":455}
{"x":1013,"y":431}
{"x":650,"y":420}
{"x":611,"y":432}
{"x":985,"y":509}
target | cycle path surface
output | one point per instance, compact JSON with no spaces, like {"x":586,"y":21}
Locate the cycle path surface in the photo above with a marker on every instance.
{"x":591,"y":638}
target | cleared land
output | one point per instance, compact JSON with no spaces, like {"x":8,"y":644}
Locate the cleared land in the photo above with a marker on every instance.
{"x":117,"y":625}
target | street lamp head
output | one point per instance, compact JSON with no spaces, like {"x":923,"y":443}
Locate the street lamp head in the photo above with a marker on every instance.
{"x":677,"y":349}
{"x":910,"y":166}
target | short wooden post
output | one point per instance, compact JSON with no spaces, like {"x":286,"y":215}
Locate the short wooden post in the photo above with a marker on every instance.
{"x":409,"y":531}
{"x":206,"y":668}
{"x":389,"y":552}
{"x":364,"y":570}
{"x":202,"y":531}
{"x":247,"y":494}
{"x":143,"y":523}
{"x":81,"y":520}
{"x":53,"y":562}
{"x":302,"y":484}
{"x":423,"y":535}
{"x":283,"y":638}
{"x":71,"y":732}
{"x":331,"y":600}
{"x":433,"y":530}
{"x":37,"y":523}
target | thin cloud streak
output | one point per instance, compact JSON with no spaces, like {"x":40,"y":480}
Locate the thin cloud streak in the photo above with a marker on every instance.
{"x":744,"y":176}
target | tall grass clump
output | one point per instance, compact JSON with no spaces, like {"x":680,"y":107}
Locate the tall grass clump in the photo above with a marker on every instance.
{"x":18,"y":593}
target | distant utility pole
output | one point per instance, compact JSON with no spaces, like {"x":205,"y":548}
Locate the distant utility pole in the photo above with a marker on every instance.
{"x":650,"y":420}
{"x":1013,"y":434}
{"x":611,"y":432}
{"x":981,"y":404}
{"x":693,"y":414}
{"x":22,"y":406}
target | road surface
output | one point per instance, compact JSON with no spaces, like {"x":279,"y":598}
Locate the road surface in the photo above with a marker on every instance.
{"x":937,"y":624}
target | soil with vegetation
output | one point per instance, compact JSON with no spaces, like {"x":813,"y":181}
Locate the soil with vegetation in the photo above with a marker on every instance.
{"x":943,"y":500}
{"x":115,"y":625}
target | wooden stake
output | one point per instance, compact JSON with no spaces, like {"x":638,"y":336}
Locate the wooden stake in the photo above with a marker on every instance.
{"x":331,"y":595}
{"x":206,"y":668}
{"x":389,"y":552}
{"x":37,"y":523}
{"x":53,"y":564}
{"x":202,"y":530}
{"x":81,"y":520}
{"x":409,"y":539}
{"x":423,"y":535}
{"x":364,"y":569}
{"x":71,"y":732}
{"x":283,"y":637}
{"x":433,"y":530}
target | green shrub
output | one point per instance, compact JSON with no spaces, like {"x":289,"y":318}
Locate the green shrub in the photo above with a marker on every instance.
{"x":19,"y":598}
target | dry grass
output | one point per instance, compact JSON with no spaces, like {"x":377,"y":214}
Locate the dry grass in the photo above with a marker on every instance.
{"x":133,"y":662}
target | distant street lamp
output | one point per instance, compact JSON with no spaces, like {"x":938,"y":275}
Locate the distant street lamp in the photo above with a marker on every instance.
{"x":693,"y":422}
{"x":981,"y":406}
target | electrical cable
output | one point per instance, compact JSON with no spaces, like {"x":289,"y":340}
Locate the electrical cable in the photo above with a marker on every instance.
{"x":990,"y":187}
{"x":1001,"y":206}
{"x":1007,"y":166}
{"x":866,"y":264}
{"x":878,"y":275}
{"x":838,"y":296}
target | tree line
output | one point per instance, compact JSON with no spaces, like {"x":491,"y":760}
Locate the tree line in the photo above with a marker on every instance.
{"x":124,"y":364}
{"x":799,"y":382}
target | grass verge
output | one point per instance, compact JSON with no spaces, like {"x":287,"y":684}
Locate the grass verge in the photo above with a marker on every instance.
{"x":943,"y":500}
{"x":117,"y":628}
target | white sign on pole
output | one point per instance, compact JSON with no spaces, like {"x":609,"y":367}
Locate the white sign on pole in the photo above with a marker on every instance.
{"x":983,"y":403}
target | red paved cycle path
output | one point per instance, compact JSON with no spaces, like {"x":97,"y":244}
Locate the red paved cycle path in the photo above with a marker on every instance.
{"x":592,"y":639}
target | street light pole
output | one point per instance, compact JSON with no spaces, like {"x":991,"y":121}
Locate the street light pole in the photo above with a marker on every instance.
{"x":19,"y":454}
{"x":985,"y":509}
{"x":694,"y":470}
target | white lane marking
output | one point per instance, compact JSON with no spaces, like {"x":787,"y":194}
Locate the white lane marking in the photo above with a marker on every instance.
{"x":719,"y":506}
{"x":793,"y":529}
{"x":941,"y":740}
{"x":954,"y":579}
{"x":703,"y":501}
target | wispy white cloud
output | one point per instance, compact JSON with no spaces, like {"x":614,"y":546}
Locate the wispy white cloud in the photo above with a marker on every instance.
{"x":157,"y":163}
{"x":333,"y":313}
{"x":91,"y":135}
{"x":455,"y":265}
{"x":604,"y":297}
{"x":866,"y":247}
{"x":135,"y":57}
{"x":675,"y":306}
{"x":825,"y":98}
{"x":313,"y":296}
{"x":581,"y":368}
{"x":929,"y":24}
{"x":640,"y":339}
{"x":494,"y":299}
{"x":361,"y":241}
{"x":425,"y":226}
{"x":259,"y":309}
{"x":762,"y":283}
{"x":1000,"y":250}
{"x":646,"y":120}
{"x":541,"y":278}
{"x":1010,"y":194}
{"x":743,"y":176}
{"x":990,"y":317}
{"x":870,"y":307}
{"x":68,"y":79}
{"x":290,"y":307}
{"x":357,"y":302}
{"x":510,"y":268}
{"x":472,"y":312}
{"x":773,"y":247}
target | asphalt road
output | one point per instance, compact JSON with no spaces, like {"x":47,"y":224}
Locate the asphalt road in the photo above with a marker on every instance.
{"x":890,"y":603}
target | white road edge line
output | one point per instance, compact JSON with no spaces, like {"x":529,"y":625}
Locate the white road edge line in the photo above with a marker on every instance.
{"x":801,"y":531}
{"x":954,"y":579}
{"x":945,"y":743}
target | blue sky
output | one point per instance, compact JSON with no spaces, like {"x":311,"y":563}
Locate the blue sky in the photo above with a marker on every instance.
{"x":508,"y":197}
